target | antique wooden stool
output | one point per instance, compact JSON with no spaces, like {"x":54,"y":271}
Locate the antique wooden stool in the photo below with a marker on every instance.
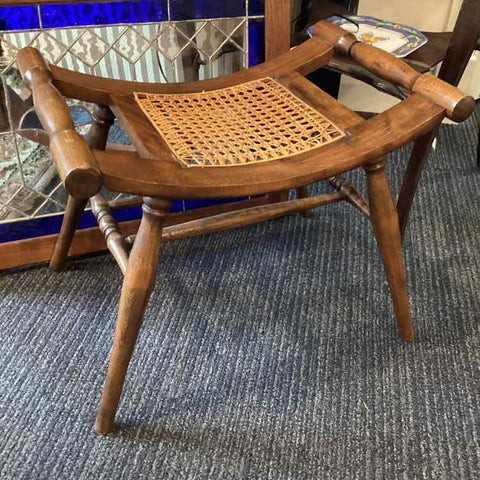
{"x":257,"y":132}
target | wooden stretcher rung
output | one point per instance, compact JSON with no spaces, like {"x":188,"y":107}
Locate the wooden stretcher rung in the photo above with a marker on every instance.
{"x":244,"y":217}
{"x":351,"y":194}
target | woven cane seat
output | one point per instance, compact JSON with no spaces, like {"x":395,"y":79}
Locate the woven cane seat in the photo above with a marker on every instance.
{"x":258,"y":121}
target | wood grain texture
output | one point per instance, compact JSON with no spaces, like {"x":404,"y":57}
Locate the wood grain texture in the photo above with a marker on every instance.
{"x":454,"y":49}
{"x":351,"y":194}
{"x":111,"y":231}
{"x":133,"y":201}
{"x":162,"y":177}
{"x":277,"y":28}
{"x":152,"y":172}
{"x":74,"y":160}
{"x":102,"y":120}
{"x":345,"y":65}
{"x":302,"y":192}
{"x":376,"y":61}
{"x":464,"y":40}
{"x":411,"y":179}
{"x":457,"y":105}
{"x":247,"y":216}
{"x":39,"y":250}
{"x":387,"y":232}
{"x":384,"y":65}
{"x":96,"y":138}
{"x":137,"y":287}
{"x":73,"y":214}
{"x":306,"y":58}
{"x":387,"y":67}
{"x":432,"y":53}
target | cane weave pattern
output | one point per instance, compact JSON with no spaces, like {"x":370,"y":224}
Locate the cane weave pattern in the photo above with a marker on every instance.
{"x":258,"y":121}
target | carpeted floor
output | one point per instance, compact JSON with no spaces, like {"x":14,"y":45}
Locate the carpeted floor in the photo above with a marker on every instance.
{"x":268,"y":352}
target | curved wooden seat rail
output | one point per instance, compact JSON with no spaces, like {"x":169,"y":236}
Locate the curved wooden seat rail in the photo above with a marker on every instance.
{"x":81,"y":174}
{"x":150,"y":171}
{"x":366,"y":142}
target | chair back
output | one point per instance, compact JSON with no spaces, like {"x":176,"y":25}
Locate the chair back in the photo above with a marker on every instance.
{"x":464,"y":41}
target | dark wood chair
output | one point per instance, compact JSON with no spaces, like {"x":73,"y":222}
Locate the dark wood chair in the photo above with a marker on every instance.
{"x":258,"y":132}
{"x":454,"y":49}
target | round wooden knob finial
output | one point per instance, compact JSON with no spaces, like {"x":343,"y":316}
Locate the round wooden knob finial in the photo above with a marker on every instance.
{"x":75,"y":164}
{"x":463,"y":109}
{"x":457,"y":105}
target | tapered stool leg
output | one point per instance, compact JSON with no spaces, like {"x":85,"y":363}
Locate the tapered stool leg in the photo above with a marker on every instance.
{"x":387,"y":232}
{"x":73,"y":213}
{"x":137,"y":286}
{"x":103,"y":119}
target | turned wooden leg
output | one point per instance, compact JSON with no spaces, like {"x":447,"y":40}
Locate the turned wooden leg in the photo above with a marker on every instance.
{"x":73,"y":213}
{"x":137,"y":286}
{"x":96,"y":138}
{"x":385,"y":225}
{"x":416,"y":164}
{"x":103,"y":119}
{"x":302,"y":192}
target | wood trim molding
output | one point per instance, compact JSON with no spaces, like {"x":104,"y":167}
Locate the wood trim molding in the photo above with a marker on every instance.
{"x":277,"y":28}
{"x":39,"y":249}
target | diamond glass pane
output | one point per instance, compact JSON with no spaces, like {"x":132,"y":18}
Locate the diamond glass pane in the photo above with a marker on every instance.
{"x":118,"y":39}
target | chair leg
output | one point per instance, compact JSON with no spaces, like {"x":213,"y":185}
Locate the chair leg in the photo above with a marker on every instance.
{"x":302,"y":192}
{"x":73,"y":213}
{"x":386,"y":228}
{"x":416,"y":164}
{"x":103,"y":119}
{"x":137,"y":286}
{"x":277,"y":197}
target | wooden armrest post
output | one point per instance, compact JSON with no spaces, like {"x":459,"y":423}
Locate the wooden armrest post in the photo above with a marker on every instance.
{"x":74,"y":160}
{"x":457,"y":105}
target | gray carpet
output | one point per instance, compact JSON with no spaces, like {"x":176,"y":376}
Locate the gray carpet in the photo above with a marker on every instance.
{"x":268,"y":352}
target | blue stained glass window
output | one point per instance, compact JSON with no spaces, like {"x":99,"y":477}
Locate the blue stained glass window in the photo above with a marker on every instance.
{"x":256,"y":7}
{"x":189,"y":9}
{"x":256,"y":41}
{"x":18,"y":18}
{"x":135,"y":11}
{"x":38,"y":227}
